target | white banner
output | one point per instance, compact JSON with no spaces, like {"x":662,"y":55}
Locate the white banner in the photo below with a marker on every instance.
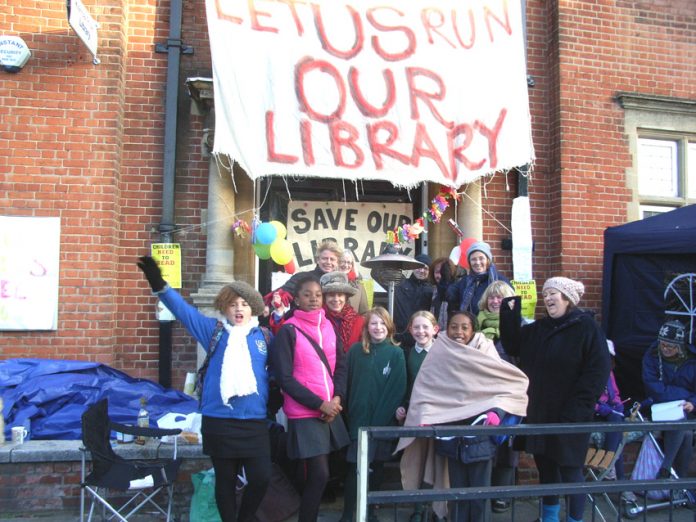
{"x":361,"y":227}
{"x":29,"y":257}
{"x":399,"y":91}
{"x":522,"y":243}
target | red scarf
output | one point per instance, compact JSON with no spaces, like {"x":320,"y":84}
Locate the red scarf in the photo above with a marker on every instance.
{"x":343,"y":323}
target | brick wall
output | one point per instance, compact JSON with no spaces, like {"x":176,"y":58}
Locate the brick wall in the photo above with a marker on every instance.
{"x":605,"y":48}
{"x":85,"y":142}
{"x":53,"y":487}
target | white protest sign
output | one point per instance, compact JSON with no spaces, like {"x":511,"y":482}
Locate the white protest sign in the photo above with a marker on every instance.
{"x":360,"y":227}
{"x":29,"y":258}
{"x":399,"y":91}
{"x":522,"y":244}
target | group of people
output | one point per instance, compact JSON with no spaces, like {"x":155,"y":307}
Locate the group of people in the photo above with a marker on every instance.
{"x":467,"y":357}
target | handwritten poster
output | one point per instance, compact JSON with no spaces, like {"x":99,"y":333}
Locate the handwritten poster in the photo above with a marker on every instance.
{"x":360,"y":227}
{"x":29,"y":262}
{"x":528,"y":291}
{"x":399,"y":91}
{"x":168,"y":257}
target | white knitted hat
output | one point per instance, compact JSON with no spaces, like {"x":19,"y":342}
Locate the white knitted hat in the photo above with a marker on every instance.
{"x":573,"y":290}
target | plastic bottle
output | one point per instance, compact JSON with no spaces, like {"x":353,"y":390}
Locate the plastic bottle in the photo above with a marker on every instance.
{"x":143,"y":420}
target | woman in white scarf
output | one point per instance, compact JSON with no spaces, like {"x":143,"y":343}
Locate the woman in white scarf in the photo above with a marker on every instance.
{"x":234,"y":393}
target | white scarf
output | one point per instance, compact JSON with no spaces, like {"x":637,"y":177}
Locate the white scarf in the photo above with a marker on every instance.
{"x":236,"y":376}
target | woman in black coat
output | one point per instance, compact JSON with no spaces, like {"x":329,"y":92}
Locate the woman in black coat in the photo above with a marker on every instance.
{"x":567,"y":362}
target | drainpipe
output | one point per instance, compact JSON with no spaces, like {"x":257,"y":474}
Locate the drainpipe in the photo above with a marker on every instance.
{"x":173,"y":48}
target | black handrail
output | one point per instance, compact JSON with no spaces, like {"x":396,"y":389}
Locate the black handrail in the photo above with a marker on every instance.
{"x":517,"y":491}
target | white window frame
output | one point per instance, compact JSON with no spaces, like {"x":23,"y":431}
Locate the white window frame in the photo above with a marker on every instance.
{"x":660,"y":118}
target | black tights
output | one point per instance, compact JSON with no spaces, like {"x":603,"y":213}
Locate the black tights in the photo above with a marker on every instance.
{"x":552,"y":473}
{"x":258,"y":475}
{"x":314,"y":474}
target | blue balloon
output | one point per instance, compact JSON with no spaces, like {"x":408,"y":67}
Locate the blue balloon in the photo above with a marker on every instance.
{"x":266,"y":233}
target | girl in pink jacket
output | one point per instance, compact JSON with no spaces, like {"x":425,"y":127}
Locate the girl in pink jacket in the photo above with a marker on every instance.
{"x":309,"y":364}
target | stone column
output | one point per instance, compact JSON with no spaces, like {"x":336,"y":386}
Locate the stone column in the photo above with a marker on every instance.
{"x":219,"y":247}
{"x":469,"y":216}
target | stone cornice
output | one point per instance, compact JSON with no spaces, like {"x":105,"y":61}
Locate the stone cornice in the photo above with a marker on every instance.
{"x":652,"y":102}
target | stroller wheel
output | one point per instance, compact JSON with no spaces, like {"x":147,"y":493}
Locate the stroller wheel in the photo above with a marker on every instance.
{"x":631,"y":509}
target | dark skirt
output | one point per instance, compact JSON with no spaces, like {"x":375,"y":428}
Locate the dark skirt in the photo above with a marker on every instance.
{"x":311,"y":437}
{"x":235,"y":438}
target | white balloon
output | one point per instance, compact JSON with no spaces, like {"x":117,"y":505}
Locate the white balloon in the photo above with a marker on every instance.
{"x":455,"y":254}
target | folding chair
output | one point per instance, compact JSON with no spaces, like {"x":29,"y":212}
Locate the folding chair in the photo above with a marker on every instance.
{"x":678,"y":498}
{"x":141,"y":479}
{"x":599,"y":462}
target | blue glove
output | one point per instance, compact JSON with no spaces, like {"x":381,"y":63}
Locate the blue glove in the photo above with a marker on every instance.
{"x":604,"y":409}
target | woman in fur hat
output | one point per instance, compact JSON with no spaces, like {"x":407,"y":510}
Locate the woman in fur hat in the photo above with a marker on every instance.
{"x":346,"y":321}
{"x":565,"y":357}
{"x":234,"y":394}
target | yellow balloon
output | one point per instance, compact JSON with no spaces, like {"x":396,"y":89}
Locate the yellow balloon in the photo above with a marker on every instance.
{"x":281,"y":251}
{"x":281,"y":231}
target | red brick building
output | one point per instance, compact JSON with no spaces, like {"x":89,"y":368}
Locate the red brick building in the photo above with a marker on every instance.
{"x":613,"y":87}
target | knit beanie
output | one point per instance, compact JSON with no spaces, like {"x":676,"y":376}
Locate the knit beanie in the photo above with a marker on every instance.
{"x":480,"y":246}
{"x":573,"y":290}
{"x":672,"y":332}
{"x":424,"y":258}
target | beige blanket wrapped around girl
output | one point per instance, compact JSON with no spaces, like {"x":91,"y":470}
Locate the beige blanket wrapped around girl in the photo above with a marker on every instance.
{"x":456,"y":382}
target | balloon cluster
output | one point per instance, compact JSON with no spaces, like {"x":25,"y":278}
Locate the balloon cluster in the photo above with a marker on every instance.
{"x":268,"y":240}
{"x":458,"y":253}
{"x":439,"y":204}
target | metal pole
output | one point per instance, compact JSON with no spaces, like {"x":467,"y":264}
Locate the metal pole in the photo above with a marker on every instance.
{"x":363,"y":475}
{"x":169,"y":169}
{"x":390,"y":296}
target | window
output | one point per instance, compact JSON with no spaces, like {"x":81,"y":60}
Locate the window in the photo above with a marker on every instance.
{"x":662,"y":134}
{"x":658,"y":168}
{"x":647,"y":211}
{"x":691,"y":165}
{"x":666,"y":173}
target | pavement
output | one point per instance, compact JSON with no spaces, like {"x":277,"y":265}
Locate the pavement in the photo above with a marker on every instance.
{"x":525,"y":510}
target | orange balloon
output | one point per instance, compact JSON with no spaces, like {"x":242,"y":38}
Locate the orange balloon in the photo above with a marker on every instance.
{"x":290,"y":267}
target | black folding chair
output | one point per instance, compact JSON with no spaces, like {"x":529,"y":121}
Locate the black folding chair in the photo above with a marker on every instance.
{"x":141,"y":479}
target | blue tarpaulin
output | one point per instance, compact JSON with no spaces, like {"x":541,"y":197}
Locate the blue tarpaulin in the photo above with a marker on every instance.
{"x":48,"y":396}
{"x":640,"y":259}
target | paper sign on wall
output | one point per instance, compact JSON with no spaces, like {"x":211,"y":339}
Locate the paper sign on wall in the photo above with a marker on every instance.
{"x":168,"y":257}
{"x":528,"y":291}
{"x":29,"y":262}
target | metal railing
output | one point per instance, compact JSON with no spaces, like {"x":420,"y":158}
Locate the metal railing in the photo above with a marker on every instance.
{"x":366,"y":434}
